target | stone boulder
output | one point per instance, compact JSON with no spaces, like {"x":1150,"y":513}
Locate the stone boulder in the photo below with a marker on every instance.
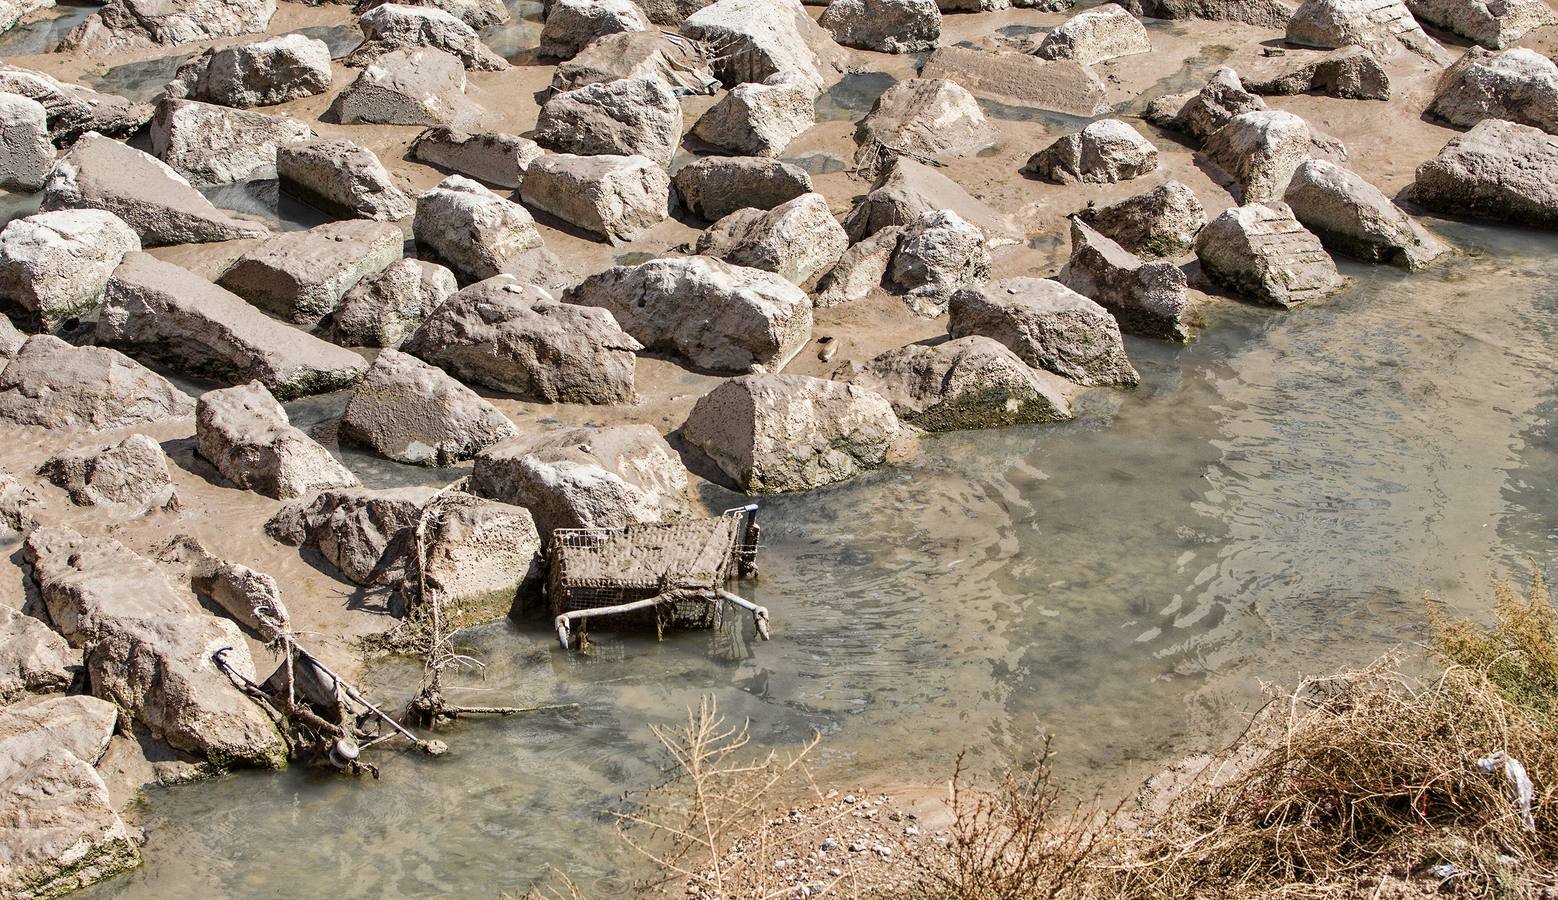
{"x":246,"y":435}
{"x":210,"y":144}
{"x":1048,"y":326}
{"x":33,"y":658}
{"x":1354,"y":217}
{"x":861,"y":270}
{"x":482,"y":558}
{"x":130,"y":477}
{"x":137,"y":24}
{"x":922,"y":118}
{"x":1102,"y":33}
{"x":250,"y":598}
{"x":1383,"y":26}
{"x":1203,"y":112}
{"x":1517,"y":85}
{"x":149,"y":651}
{"x":637,"y":116}
{"x":513,"y":337}
{"x":342,"y":178}
{"x":368,"y":536}
{"x":392,"y":27}
{"x":1016,"y":78}
{"x":1146,"y":298}
{"x":478,"y":14}
{"x":612,"y":197}
{"x":1158,"y":224}
{"x":1492,"y":23}
{"x":1351,"y":73}
{"x":161,"y":312}
{"x":1104,"y":152}
{"x":475,"y":232}
{"x":888,"y":26}
{"x":798,"y":239}
{"x":13,"y":11}
{"x":586,"y":477}
{"x":80,"y":726}
{"x":1498,"y":170}
{"x":418,"y":86}
{"x":713,"y":187}
{"x":1260,"y":251}
{"x":302,"y":276}
{"x":759,"y":119}
{"x":153,"y":199}
{"x":26,"y":150}
{"x":492,"y":157}
{"x":909,"y":190}
{"x":262,"y":73}
{"x":17,"y":507}
{"x":760,"y":38}
{"x":962,"y":384}
{"x":60,"y":829}
{"x":50,"y":384}
{"x":713,"y":315}
{"x":1262,"y":13}
{"x":673,"y":60}
{"x":383,"y":310}
{"x":11,"y":340}
{"x":777,"y":433}
{"x":74,"y":110}
{"x":411,"y":412}
{"x":571,"y":24}
{"x":937,"y":254}
{"x":1260,"y":151}
{"x":54,"y":265}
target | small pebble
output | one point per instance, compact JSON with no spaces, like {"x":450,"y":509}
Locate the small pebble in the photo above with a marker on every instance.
{"x":857,"y":847}
{"x":829,"y":844}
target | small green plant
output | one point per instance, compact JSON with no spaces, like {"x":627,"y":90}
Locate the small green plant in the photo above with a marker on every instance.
{"x":1518,"y":652}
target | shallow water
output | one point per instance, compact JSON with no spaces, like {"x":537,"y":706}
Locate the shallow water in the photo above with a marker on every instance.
{"x":44,"y":34}
{"x":142,"y":80}
{"x":1274,"y":500}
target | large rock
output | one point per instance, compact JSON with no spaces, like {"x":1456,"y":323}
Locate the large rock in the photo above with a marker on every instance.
{"x":713,"y":187}
{"x":50,"y":384}
{"x":250,"y":598}
{"x":922,"y":118}
{"x":513,"y":337}
{"x":368,"y":536}
{"x":778,"y":433}
{"x":26,"y":151}
{"x":1492,"y":23}
{"x":302,"y":276}
{"x":1158,"y":224}
{"x":671,"y":13}
{"x":1261,"y":252}
{"x":613,"y":197}
{"x":714,"y":315}
{"x":1203,"y":112}
{"x":74,"y":110}
{"x":392,"y":27}
{"x":174,"y":317}
{"x":59,"y":828}
{"x":54,"y":265}
{"x":889,"y":26}
{"x":1517,"y":85}
{"x":1102,"y":33}
{"x":18,"y":507}
{"x":1260,"y":151}
{"x":263,"y":73}
{"x":937,"y":254}
{"x":33,"y":658}
{"x":246,"y":435}
{"x":966,"y":383}
{"x":1013,"y":77}
{"x":210,"y":144}
{"x":1104,"y":152}
{"x":478,"y":14}
{"x":1147,"y":298}
{"x":1354,"y":217}
{"x":798,"y":239}
{"x":492,"y":157}
{"x":909,"y":190}
{"x":637,"y":116}
{"x":586,"y":477}
{"x":474,"y":231}
{"x":861,"y":270}
{"x":1263,"y":13}
{"x":1351,"y":73}
{"x":343,"y":178}
{"x":1049,"y":326}
{"x":759,"y":38}
{"x":1383,"y":26}
{"x":482,"y":557}
{"x":136,"y":24}
{"x":759,"y":119}
{"x":149,"y":651}
{"x":673,"y":60}
{"x":1498,"y":170}
{"x":153,"y":199}
{"x":13,"y":11}
{"x":418,"y":86}
{"x":80,"y":726}
{"x":411,"y":412}
{"x":11,"y":340}
{"x":383,"y":310}
{"x":571,"y":24}
{"x":130,"y":476}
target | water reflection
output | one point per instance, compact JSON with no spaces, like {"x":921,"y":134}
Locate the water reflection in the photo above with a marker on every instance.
{"x":44,"y":35}
{"x":142,"y":80}
{"x":265,"y":199}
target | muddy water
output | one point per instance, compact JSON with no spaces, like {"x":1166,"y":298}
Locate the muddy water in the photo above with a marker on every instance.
{"x":1274,"y":500}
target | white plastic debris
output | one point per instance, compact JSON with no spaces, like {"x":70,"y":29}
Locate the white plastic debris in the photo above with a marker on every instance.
{"x":1519,"y":782}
